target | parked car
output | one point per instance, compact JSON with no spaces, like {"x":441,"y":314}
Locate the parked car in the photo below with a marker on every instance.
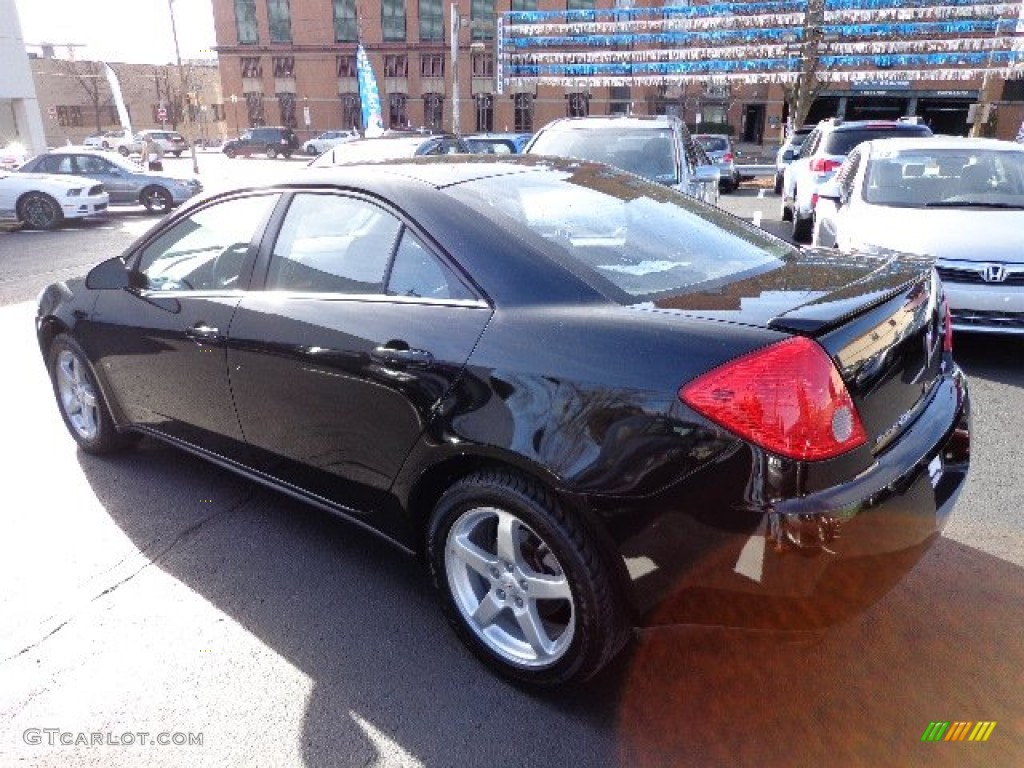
{"x":658,"y":148}
{"x":12,"y":155}
{"x":272,"y":141}
{"x":171,"y":142}
{"x":43,"y":201}
{"x":959,"y":201}
{"x":94,"y":140}
{"x":497,"y":143}
{"x":396,"y":145}
{"x":720,"y":149}
{"x":627,"y":408}
{"x":787,"y":151}
{"x":122,"y":142}
{"x":326,"y":140}
{"x":125,"y":182}
{"x":822,"y":152}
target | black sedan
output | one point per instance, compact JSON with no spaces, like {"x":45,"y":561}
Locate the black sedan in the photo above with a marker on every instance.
{"x":589,"y":401}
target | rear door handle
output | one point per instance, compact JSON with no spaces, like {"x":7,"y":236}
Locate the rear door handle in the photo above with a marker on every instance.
{"x":405,"y":356}
{"x":203,"y":333}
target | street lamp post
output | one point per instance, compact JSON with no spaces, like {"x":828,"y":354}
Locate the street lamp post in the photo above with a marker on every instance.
{"x":183,"y":90}
{"x":234,"y":108}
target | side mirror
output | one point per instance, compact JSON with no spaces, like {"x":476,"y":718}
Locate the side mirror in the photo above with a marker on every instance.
{"x":787,"y":156}
{"x":109,"y":275}
{"x":707,"y":174}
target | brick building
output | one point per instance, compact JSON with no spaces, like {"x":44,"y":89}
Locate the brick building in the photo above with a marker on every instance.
{"x":292,"y":62}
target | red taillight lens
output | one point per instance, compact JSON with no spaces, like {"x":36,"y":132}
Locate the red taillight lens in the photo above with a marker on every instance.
{"x":824,"y":165}
{"x":727,"y":157}
{"x":947,"y":328}
{"x":787,"y":398}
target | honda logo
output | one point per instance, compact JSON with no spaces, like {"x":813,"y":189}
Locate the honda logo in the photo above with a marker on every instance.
{"x":994,"y":273}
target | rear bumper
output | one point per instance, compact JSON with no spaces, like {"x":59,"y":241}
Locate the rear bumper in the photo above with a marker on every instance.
{"x":814,"y":560}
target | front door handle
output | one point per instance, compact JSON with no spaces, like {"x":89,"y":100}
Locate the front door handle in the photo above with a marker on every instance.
{"x":202,"y":333}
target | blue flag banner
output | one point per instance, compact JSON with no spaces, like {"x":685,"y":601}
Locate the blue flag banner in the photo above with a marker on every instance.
{"x":369,"y":96}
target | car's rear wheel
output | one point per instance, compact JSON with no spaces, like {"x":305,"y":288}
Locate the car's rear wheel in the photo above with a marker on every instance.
{"x":123,"y":151}
{"x":230,"y":152}
{"x":176,"y":154}
{"x":37,"y":210}
{"x":80,"y":399}
{"x":802,"y":227}
{"x":157,"y":199}
{"x":785,"y":211}
{"x":522,"y":581}
{"x":271,"y":153}
{"x":778,"y":184}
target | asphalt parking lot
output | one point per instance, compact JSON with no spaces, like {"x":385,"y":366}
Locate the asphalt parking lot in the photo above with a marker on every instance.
{"x":152,"y":597}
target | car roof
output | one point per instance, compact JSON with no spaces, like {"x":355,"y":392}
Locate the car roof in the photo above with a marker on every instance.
{"x":437,"y":172}
{"x":943,"y":142}
{"x":613,"y":122}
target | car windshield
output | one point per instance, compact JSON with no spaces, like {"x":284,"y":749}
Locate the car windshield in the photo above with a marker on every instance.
{"x":713,"y":143}
{"x":843,"y":142}
{"x":628,"y":237}
{"x":646,"y":152}
{"x":944,"y":177}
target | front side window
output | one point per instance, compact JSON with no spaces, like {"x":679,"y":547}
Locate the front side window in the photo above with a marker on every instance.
{"x":333,"y":244}
{"x":245,"y":22}
{"x":209,"y":250}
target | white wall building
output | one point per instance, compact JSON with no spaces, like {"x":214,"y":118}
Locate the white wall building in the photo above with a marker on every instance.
{"x":20,"y":120}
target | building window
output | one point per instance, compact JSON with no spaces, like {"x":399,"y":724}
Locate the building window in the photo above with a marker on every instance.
{"x":433,"y":110}
{"x":218,"y":111}
{"x":431,"y":20}
{"x":245,"y":22}
{"x":481,"y":14}
{"x":577,"y":105}
{"x":347,"y":66}
{"x":284,"y":66}
{"x":254,"y":109}
{"x":69,"y":116}
{"x":392,"y":20}
{"x":523,"y":112}
{"x":432,"y":65}
{"x":398,"y":104}
{"x":484,"y":112}
{"x":287,"y":104}
{"x":396,"y":65}
{"x":483,"y":65}
{"x":524,"y":5}
{"x":346,"y":23}
{"x":251,"y":66}
{"x":579,"y":5}
{"x":280,"y":16}
{"x":351,"y":111}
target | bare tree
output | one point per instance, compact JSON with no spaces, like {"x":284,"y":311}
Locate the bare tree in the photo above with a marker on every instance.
{"x":90,"y":77}
{"x":810,"y":48}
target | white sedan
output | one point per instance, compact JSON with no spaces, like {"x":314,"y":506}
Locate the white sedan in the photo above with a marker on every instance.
{"x":43,"y":201}
{"x":958,"y":200}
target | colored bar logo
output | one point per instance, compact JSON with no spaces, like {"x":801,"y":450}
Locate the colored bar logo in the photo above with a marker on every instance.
{"x":959,"y":731}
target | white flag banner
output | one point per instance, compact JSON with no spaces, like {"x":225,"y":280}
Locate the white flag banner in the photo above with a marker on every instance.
{"x":122,"y":110}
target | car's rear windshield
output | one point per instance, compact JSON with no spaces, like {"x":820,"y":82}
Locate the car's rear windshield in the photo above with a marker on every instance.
{"x":713,"y":143}
{"x":630,"y":238}
{"x":843,"y":142}
{"x":647,"y":152}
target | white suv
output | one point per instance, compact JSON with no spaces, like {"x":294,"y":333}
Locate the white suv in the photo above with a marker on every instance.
{"x":821,"y":154}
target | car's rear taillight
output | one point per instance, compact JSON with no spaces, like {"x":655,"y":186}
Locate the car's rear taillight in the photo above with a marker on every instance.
{"x":727,"y":157}
{"x":824,"y":165}
{"x":787,"y":398}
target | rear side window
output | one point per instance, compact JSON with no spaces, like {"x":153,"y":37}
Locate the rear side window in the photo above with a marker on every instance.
{"x":842,"y":142}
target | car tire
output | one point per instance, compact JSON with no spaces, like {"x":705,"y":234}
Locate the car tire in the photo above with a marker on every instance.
{"x":271,"y":153}
{"x":81,"y":401}
{"x":802,"y":227}
{"x":156,"y":199}
{"x":123,"y":151}
{"x":785,"y":212}
{"x":37,"y":210}
{"x":778,"y":184}
{"x":230,"y":152}
{"x":485,"y":581}
{"x":176,"y":154}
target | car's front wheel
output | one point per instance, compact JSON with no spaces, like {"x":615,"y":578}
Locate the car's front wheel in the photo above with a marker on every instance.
{"x":522,"y":582}
{"x":230,"y":152}
{"x":123,"y":151}
{"x":80,"y":399}
{"x":37,"y":210}
{"x":802,"y":227}
{"x":271,"y":153}
{"x":157,"y":199}
{"x":778,"y":183}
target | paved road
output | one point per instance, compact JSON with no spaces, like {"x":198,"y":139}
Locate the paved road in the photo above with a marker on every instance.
{"x":154,"y":594}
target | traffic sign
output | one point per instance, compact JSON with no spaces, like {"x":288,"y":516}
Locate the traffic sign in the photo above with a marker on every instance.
{"x":52,"y":112}
{"x":161,"y":113}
